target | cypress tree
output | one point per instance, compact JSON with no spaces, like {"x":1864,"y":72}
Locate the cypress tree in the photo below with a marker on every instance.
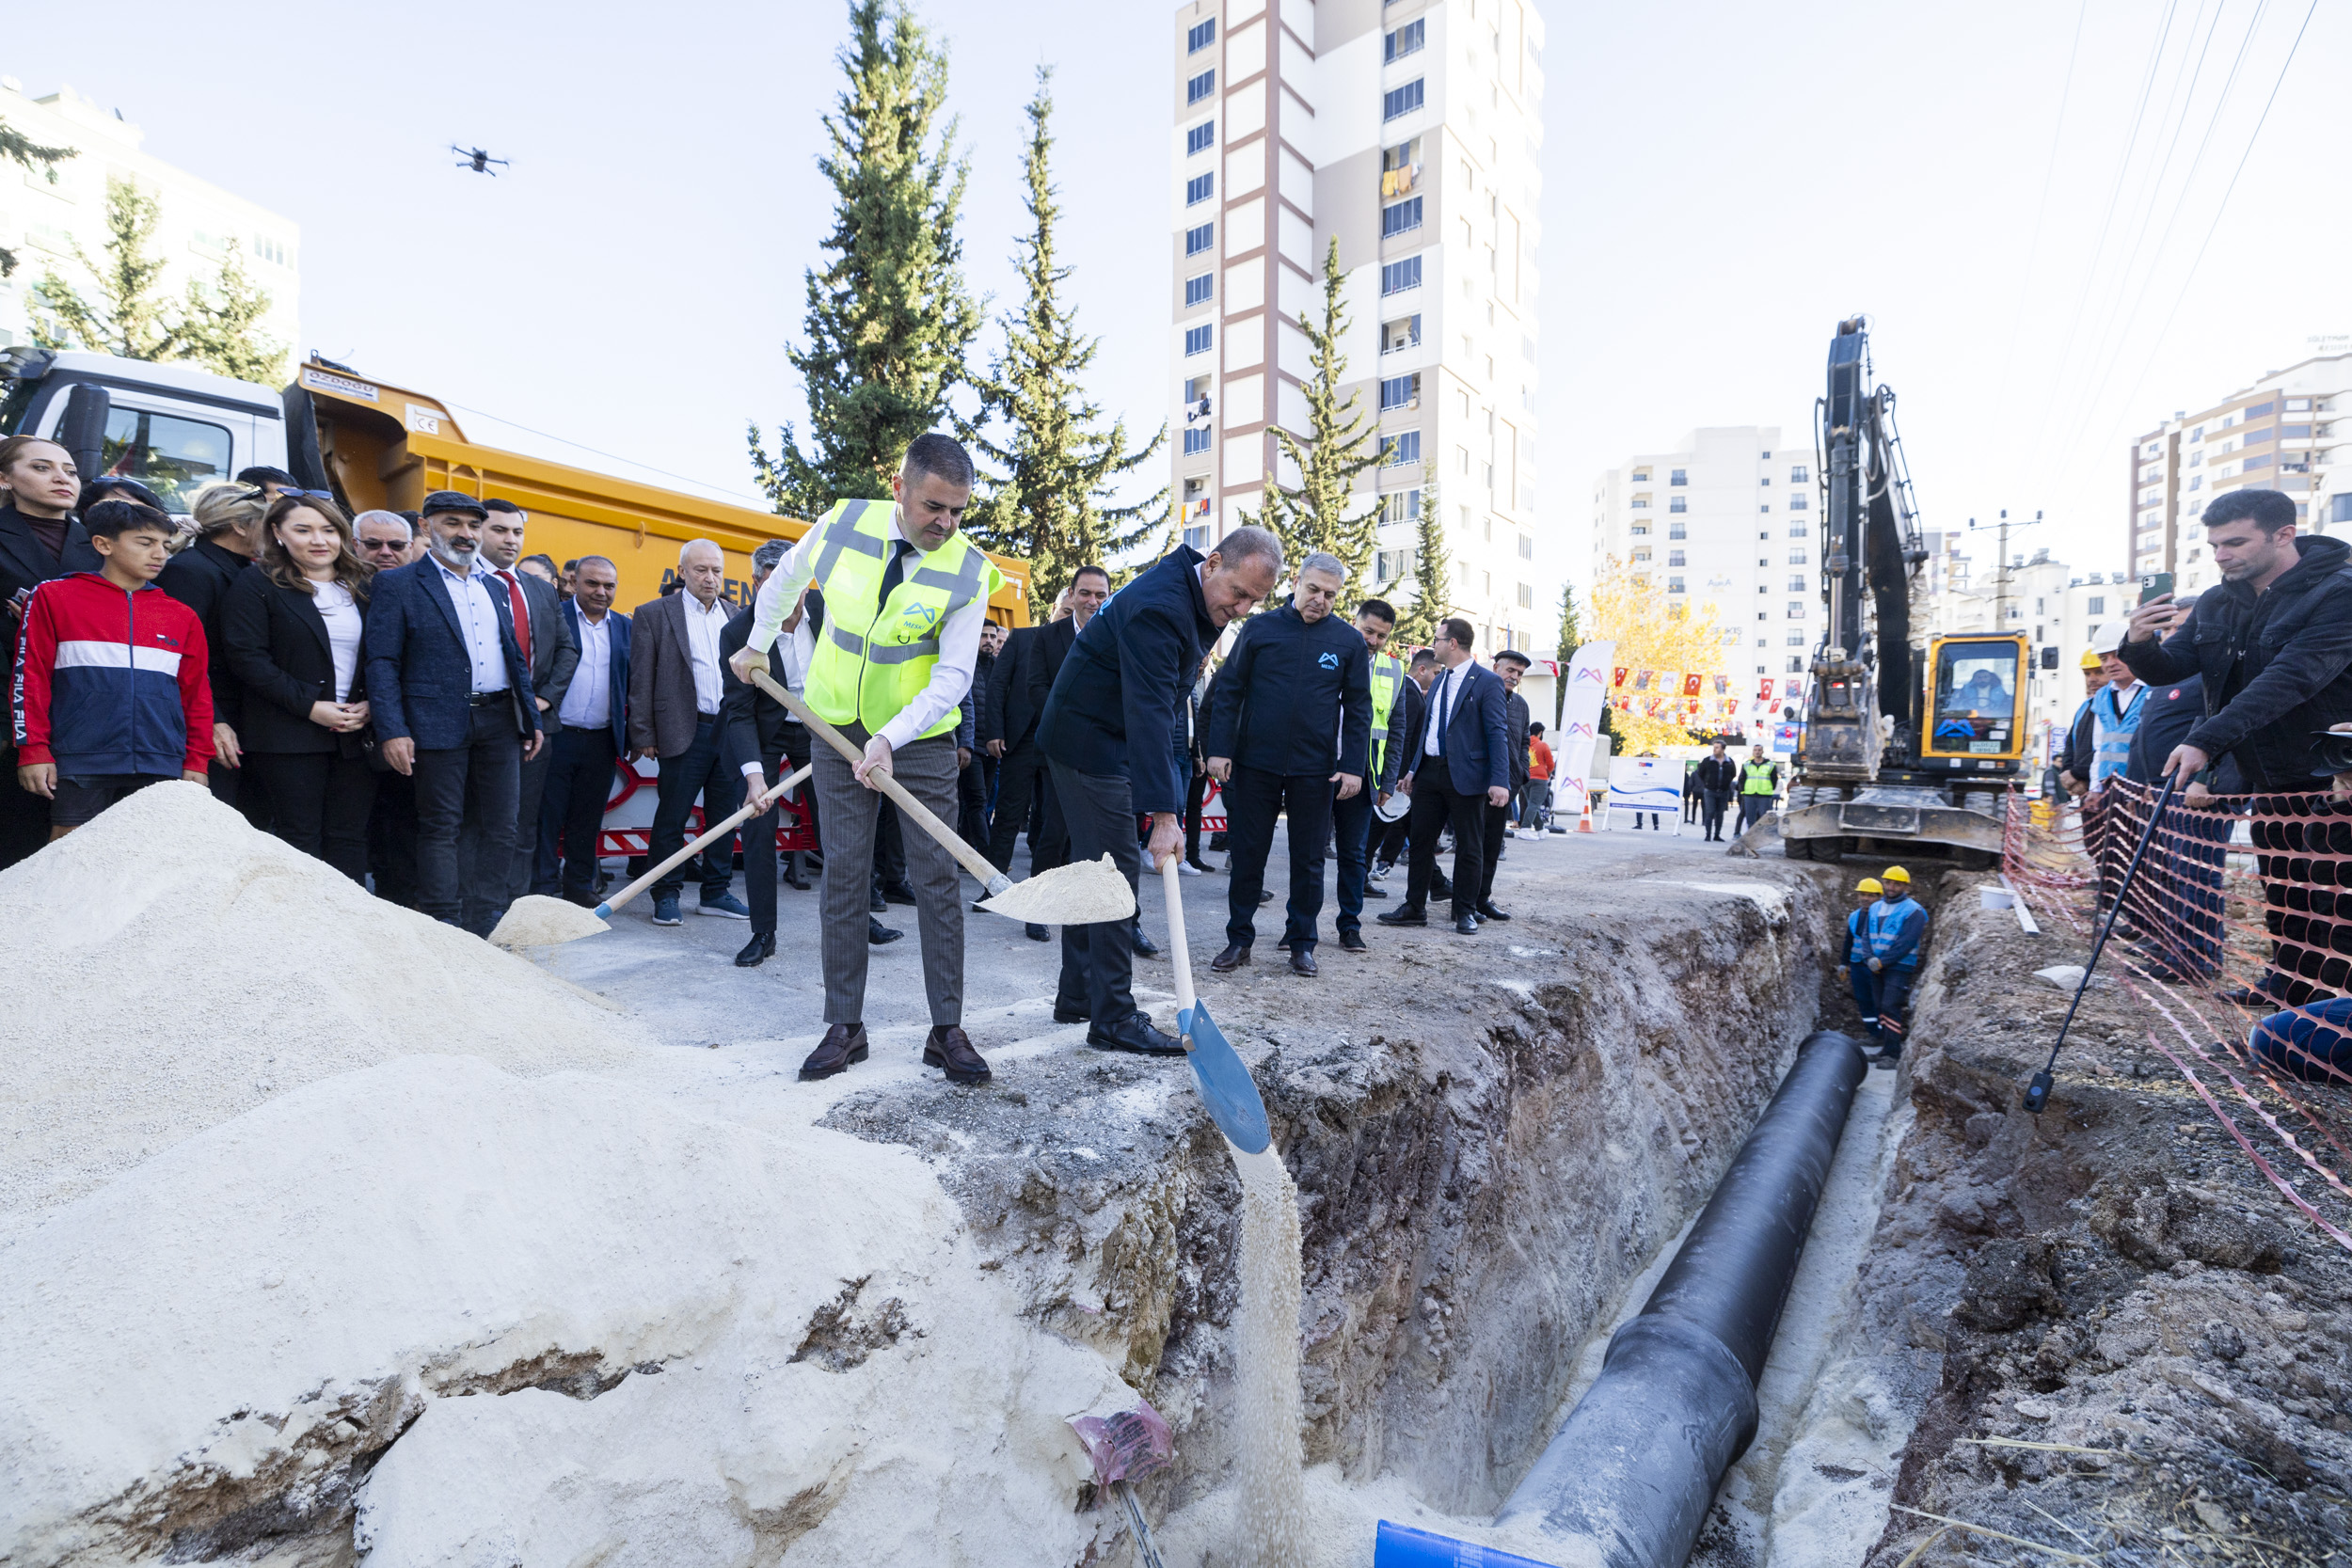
{"x":1052,"y":504}
{"x":33,"y":158}
{"x":1570,"y":636}
{"x":889,"y":323}
{"x":1432,"y":599}
{"x":1326,"y":512}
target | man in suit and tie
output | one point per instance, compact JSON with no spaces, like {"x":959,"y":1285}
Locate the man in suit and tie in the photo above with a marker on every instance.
{"x":1461,"y":766}
{"x":594,"y":735}
{"x":1090,"y":585}
{"x":451,"y":698}
{"x":547,"y":649}
{"x":1510,"y":666}
{"x":41,"y":539}
{"x":676,"y":695}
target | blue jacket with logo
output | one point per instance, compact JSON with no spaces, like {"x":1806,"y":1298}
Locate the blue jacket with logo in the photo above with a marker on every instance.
{"x":1295,"y":699}
{"x":1857,"y":939}
{"x":1897,"y":931}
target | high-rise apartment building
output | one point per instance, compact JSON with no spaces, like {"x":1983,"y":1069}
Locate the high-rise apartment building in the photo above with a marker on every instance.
{"x":1728,"y":518}
{"x":2286,"y":432}
{"x":44,"y":221}
{"x":1406,"y":132}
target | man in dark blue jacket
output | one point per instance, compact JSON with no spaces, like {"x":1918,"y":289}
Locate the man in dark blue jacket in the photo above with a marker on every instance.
{"x":450,"y":699}
{"x":1461,"y":765}
{"x":1112,"y":734}
{"x":1291,"y":715}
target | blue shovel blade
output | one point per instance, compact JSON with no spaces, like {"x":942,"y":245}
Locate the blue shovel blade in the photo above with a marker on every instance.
{"x":1226,"y":1087}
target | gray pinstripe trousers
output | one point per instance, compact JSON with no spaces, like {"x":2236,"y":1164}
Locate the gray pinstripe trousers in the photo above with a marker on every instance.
{"x":846,"y":811}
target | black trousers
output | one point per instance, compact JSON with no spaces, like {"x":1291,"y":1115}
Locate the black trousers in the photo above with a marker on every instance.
{"x":1019,"y":778}
{"x":1497,"y":824}
{"x":470,"y":787}
{"x":1253,"y":798}
{"x":972,"y":802}
{"x":2309,"y":920}
{"x":759,"y":833}
{"x":392,"y":840}
{"x":579,"y":781}
{"x":23,"y":816}
{"x":1691,"y":805}
{"x":1351,"y":830}
{"x":1392,"y":838}
{"x":530,"y":790}
{"x":246,"y":794}
{"x":701,"y":769}
{"x":1098,"y":962}
{"x":1717,"y":802}
{"x":1196,"y":795}
{"x":318,"y":803}
{"x":1436,"y":804}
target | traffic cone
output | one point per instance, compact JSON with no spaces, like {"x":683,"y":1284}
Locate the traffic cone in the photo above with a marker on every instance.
{"x":1585,"y":819}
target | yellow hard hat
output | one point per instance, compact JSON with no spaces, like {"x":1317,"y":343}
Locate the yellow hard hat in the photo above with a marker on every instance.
{"x":2091,"y":660}
{"x":1894,"y":873}
{"x":1868,"y":884}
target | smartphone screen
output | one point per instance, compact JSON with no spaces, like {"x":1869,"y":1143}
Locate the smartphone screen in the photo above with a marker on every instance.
{"x":2155,"y":586}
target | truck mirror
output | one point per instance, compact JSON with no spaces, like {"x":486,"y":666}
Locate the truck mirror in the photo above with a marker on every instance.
{"x":83,"y":431}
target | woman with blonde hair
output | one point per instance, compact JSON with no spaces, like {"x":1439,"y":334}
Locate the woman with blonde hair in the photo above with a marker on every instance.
{"x":293,"y":627}
{"x":228,"y":523}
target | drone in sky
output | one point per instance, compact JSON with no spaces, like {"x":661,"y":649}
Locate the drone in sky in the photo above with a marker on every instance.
{"x":477,"y":160}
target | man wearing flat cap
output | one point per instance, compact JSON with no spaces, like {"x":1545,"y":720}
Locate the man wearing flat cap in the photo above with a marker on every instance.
{"x":454,"y":710}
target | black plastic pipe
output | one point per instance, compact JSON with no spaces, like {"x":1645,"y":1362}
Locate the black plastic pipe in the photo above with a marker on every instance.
{"x":1634,"y":1468}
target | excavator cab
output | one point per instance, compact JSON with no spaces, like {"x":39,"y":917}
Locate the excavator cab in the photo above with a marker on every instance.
{"x":1975,"y":712}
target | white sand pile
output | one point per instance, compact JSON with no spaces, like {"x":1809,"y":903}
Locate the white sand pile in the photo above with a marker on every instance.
{"x":1077,"y":893}
{"x":1272,"y":1520}
{"x":285,"y":1292}
{"x":169,"y":968}
{"x":536,"y":921}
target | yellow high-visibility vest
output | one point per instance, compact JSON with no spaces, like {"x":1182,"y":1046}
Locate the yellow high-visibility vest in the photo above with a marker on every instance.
{"x":1388,"y":678}
{"x":874,"y":657}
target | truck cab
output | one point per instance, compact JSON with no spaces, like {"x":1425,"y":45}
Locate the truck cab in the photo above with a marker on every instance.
{"x":173,"y":428}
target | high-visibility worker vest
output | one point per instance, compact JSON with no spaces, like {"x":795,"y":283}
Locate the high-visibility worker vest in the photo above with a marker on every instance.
{"x":1857,"y":945}
{"x":873,"y":657}
{"x":2112,"y":730}
{"x":1887,"y":924}
{"x":1388,"y":678}
{"x":1756,"y":778}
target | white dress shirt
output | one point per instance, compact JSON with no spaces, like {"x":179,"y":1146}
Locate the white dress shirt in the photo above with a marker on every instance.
{"x":794,"y":649}
{"x":952,"y":673}
{"x":588,"y":703}
{"x":478,"y":614}
{"x":1440,"y":713}
{"x":343,"y":631}
{"x":702,"y":626}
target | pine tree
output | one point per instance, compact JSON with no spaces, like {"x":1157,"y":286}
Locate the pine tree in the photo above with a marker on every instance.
{"x":220,"y":326}
{"x":1326,"y":512}
{"x":128,"y":318}
{"x":1570,"y":633}
{"x":33,"y":158}
{"x":1052,"y":506}
{"x":889,"y":323}
{"x":1417,"y":626}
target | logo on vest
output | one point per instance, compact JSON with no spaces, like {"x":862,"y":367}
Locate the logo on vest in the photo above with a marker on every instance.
{"x":1329,"y":661}
{"x":918,"y":617}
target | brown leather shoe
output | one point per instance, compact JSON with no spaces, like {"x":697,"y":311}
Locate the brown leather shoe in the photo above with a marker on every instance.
{"x":843,"y":1044}
{"x":949,"y":1049}
{"x":1234,"y":955}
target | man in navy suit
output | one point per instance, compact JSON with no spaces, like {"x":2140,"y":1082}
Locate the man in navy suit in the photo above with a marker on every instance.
{"x":1112,"y":732}
{"x":452,"y":706}
{"x":594,"y":734}
{"x":1460,"y":766}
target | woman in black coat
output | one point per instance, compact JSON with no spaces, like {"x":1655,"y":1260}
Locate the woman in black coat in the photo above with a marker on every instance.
{"x":293,"y":628}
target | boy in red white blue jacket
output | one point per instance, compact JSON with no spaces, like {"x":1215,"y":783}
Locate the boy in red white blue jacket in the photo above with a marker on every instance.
{"x":111,"y":692}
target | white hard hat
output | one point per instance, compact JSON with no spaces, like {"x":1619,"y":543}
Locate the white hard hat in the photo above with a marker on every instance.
{"x":2108,"y":637}
{"x":1390,"y":807}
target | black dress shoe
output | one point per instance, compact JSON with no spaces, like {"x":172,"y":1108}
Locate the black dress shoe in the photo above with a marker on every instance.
{"x":1036,"y":932}
{"x":875,"y":902}
{"x":1402,"y":915}
{"x":1371,"y":890}
{"x":1487,"y":911}
{"x":1283,"y":946}
{"x":585,"y":900}
{"x":792,"y":877}
{"x":1467,"y":926}
{"x":1134,"y":1033}
{"x":1145,"y":947}
{"x":949,"y":1049}
{"x":1303,"y":962}
{"x":1234,"y":955}
{"x":1440,"y":888}
{"x":843,"y":1044}
{"x":877,"y":934}
{"x":1266,"y":896}
{"x":1071,"y":1015}
{"x":757,"y":951}
{"x":1198,"y":867}
{"x":898,"y":892}
{"x":1353,"y":941}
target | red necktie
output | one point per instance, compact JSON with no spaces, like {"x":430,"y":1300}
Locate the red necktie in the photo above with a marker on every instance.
{"x":522,"y":616}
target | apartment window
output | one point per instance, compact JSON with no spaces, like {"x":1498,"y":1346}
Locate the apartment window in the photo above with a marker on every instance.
{"x":1400,"y":217}
{"x":1200,"y":87}
{"x":1401,"y":101}
{"x":267,"y":248}
{"x":1527,"y":547}
{"x":1767,"y":479}
{"x":1200,"y":36}
{"x":2298,"y":405}
{"x":1641,"y":552}
{"x":1527,"y":595}
{"x":1397,"y":277}
{"x":2294,"y":432}
{"x":1797,"y":585}
{"x":1400,"y":449}
{"x":1677,"y":531}
{"x":1200,"y":139}
{"x":1195,"y":442}
{"x":2259,"y":409}
{"x":1195,"y":388}
{"x":1197,"y":290}
{"x":1796,"y":664}
{"x":1400,"y":168}
{"x":1199,"y":239}
{"x":1641,"y":476}
{"x":1674,"y":558}
{"x":1766,"y":507}
{"x":1199,"y":188}
{"x":2095,"y":605}
{"x":1796,"y":530}
{"x":1400,"y":392}
{"x":2197,"y":435}
{"x":1765,"y":455}
{"x":1393,"y":564}
{"x":1678,"y":476}
{"x":1405,"y":41}
{"x":1796,"y":640}
{"x":1198,"y":538}
{"x":1640,"y":530}
{"x":1796,"y":557}
{"x":1401,"y":333}
{"x":1198,"y":339}
{"x":1400,"y":506}
{"x":1678,"y":503}
{"x":2340,"y":507}
{"x":1640,"y":503}
{"x":1674,"y":585}
{"x":1798,"y":475}
{"x":1796,"y":611}
{"x":1799,"y":503}
{"x":2256,"y":438}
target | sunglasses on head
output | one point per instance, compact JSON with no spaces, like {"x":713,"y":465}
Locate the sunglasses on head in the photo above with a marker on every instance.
{"x":258,"y":494}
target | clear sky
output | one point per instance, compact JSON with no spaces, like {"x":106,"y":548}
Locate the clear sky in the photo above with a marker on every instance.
{"x":1722,"y":182}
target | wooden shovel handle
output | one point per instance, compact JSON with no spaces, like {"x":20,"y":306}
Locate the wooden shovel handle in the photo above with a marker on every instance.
{"x":755,"y":801}
{"x":921,"y":814}
{"x":1179,"y":950}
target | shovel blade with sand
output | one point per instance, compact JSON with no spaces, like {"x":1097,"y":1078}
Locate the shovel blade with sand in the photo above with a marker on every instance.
{"x":535,"y":920}
{"x":1225,"y":1085}
{"x":1083,"y":893}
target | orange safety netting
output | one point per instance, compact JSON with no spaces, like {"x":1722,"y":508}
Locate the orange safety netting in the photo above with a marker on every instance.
{"x":2231,"y":939}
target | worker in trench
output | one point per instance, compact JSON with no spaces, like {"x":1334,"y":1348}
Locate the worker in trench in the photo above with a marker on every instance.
{"x":1898,"y":927}
{"x":1856,"y":971}
{"x":905,"y":595}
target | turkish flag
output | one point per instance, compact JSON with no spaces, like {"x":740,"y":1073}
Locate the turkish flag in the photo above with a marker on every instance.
{"x":1621,"y":673}
{"x":1766,"y":694}
{"x":1690,"y":686}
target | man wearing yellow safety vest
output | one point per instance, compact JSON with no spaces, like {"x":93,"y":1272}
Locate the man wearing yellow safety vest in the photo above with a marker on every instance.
{"x":1352,"y":816}
{"x":1760,"y":783}
{"x":905,"y":595}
